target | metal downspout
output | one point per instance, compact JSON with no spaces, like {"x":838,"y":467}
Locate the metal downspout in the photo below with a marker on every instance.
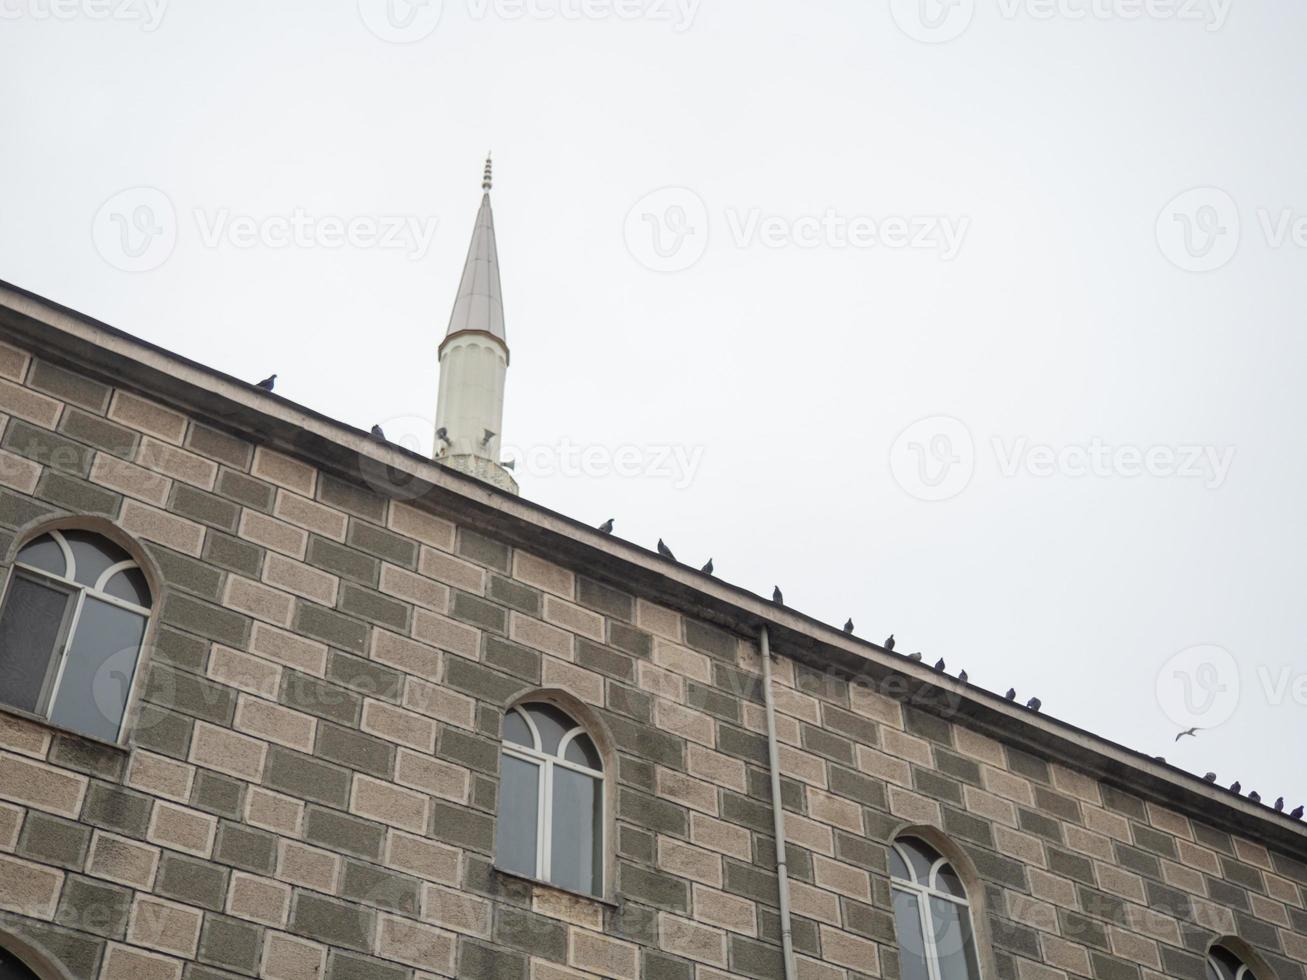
{"x":778,"y":811}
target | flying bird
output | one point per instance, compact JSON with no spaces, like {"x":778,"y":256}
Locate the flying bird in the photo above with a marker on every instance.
{"x":267,"y":383}
{"x":1191,"y":732}
{"x":1011,"y":694}
{"x":665,"y":551}
{"x":962,"y":676}
{"x":1210,"y":777}
{"x":443,"y":435}
{"x":914,"y":656}
{"x":1034,"y":704}
{"x":939,"y":665}
{"x":889,"y":643}
{"x":1236,"y":787}
{"x":776,"y":596}
{"x":707,"y":569}
{"x":606,"y":527}
{"x":1297,"y":813}
{"x":376,"y":431}
{"x":1279,"y":804}
{"x":485,"y":439}
{"x":848,"y":627}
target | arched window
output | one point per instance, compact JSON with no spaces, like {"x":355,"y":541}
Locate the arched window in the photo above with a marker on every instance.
{"x":1224,"y":965}
{"x":71,"y":631}
{"x":551,"y":800}
{"x":12,"y":968}
{"x":931,"y":915}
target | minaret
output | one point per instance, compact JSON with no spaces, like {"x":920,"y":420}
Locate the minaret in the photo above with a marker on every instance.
{"x":474,"y":361}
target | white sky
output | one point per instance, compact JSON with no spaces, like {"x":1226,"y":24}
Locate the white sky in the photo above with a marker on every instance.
{"x":784,"y":362}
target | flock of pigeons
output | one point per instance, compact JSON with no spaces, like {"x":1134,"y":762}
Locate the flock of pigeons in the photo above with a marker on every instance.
{"x":1034,"y":704}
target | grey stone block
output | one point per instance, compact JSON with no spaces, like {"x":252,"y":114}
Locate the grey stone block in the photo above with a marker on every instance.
{"x":52,"y":840}
{"x":356,"y":750}
{"x":330,"y":556}
{"x":330,"y":627}
{"x":332,"y":921}
{"x":382,"y":543}
{"x":184,"y":572}
{"x":90,"y":905}
{"x":69,"y":386}
{"x":192,"y":881}
{"x":305,"y":777}
{"x":370,"y":885}
{"x":341,"y":832}
{"x":246,"y":490}
{"x":207,"y":508}
{"x":320,"y":698}
{"x":484,"y":551}
{"x":231,"y":943}
{"x":218,"y":794}
{"x":58,"y":453}
{"x":117,"y":809}
{"x":218,"y":445}
{"x":605,"y":599}
{"x":479,"y":612}
{"x":76,"y":495}
{"x":207,"y":620}
{"x":355,"y":600}
{"x":99,"y":432}
{"x":462,"y":826}
{"x":521,"y":597}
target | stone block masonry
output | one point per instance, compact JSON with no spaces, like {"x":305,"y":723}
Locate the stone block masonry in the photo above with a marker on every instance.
{"x":310,"y":790}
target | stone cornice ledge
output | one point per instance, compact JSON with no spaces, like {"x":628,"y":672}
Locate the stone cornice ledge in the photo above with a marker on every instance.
{"x":229,"y":403}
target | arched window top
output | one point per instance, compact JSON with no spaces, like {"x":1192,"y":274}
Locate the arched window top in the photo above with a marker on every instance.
{"x":548,"y":731}
{"x":89,"y":560}
{"x":1224,"y":965}
{"x":913,"y":860}
{"x":932,"y":914}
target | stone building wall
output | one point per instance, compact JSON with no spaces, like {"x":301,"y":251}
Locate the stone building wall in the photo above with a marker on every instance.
{"x":311,"y":785}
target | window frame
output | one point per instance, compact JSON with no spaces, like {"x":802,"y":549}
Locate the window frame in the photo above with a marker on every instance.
{"x":1246,"y":970}
{"x":924,"y":893}
{"x":77,"y":592}
{"x":535,"y":755}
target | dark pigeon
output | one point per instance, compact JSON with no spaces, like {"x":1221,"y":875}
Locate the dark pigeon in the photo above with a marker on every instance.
{"x":1011,"y":694}
{"x":939,"y":665}
{"x":914,"y":656}
{"x":1255,"y":796}
{"x":1297,"y":813}
{"x":1210,"y":777}
{"x":962,"y":676}
{"x":1279,"y":804}
{"x":1191,"y":732}
{"x":606,"y":527}
{"x":665,"y":551}
{"x":707,"y":569}
{"x":1034,"y":704}
{"x":1236,"y":787}
{"x":376,"y":431}
{"x":848,"y":627}
{"x":776,"y":596}
{"x":889,"y":644}
{"x":267,"y":383}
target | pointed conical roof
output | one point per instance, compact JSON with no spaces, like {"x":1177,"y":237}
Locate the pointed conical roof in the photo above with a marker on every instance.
{"x":479,"y":305}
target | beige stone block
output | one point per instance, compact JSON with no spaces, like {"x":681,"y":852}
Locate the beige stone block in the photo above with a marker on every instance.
{"x":914,"y":807}
{"x":690,"y":862}
{"x":163,"y":926}
{"x":310,"y":515}
{"x":229,"y":752}
{"x":426,"y":858}
{"x":1137,"y":949}
{"x":814,"y":903}
{"x":287,"y":957}
{"x":544,"y":970}
{"x":1076,"y":784}
{"x":284,"y":471}
{"x":727,"y":911}
{"x":1090,"y":843}
{"x":13,"y":362}
{"x":1016,"y":843}
{"x":29,"y":889}
{"x":834,"y":810}
{"x":803,"y":766}
{"x":541,"y":636}
{"x":286,"y":648}
{"x":693,"y":940}
{"x":244,"y":672}
{"x":990,"y":807}
{"x":417,"y":589}
{"x":876,"y":763}
{"x":130,"y":479}
{"x":1282,"y":889}
{"x":160,"y":776}
{"x":659,"y":682}
{"x":389,"y":804}
{"x":585,"y":685}
{"x":11,"y":822}
{"x":694,"y":793}
{"x":544,"y":575}
{"x":447,"y":634}
{"x":716,"y":768}
{"x":452,"y":571}
{"x":1254,"y":854}
{"x":850,"y":951}
{"x":909,"y":747}
{"x":418,"y":524}
{"x":570,"y":616}
{"x":177,"y":463}
{"x":18,"y":472}
{"x":568,"y":908}
{"x":605,"y":956}
{"x":406,"y":941}
{"x":840,"y":877}
{"x":272,"y":533}
{"x":163,"y":528}
{"x":687,"y":723}
{"x":147,"y":416}
{"x":718,"y":835}
{"x":272,"y":811}
{"x":1269,"y":910}
{"x":1110,"y":824}
{"x":439,"y":702}
{"x":456,"y":910}
{"x":807,"y":833}
{"x":433,"y":776}
{"x":404,"y":654}
{"x":125,"y":963}
{"x":257,"y":600}
{"x":1010,"y":787}
{"x":658,"y":620}
{"x":24,"y":403}
{"x":258,"y":899}
{"x":40,"y":786}
{"x":300,"y":579}
{"x":308,"y":867}
{"x":182,"y":829}
{"x":397,"y":725}
{"x":682,"y":660}
{"x":810,"y":969}
{"x":1063,"y":955}
{"x":796,"y":704}
{"x":127,"y":862}
{"x":980,"y":748}
{"x":1053,"y":888}
{"x":23,"y":736}
{"x":276,"y":723}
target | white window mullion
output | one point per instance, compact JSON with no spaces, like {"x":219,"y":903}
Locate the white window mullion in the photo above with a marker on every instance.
{"x":62,"y":653}
{"x":543,"y":845}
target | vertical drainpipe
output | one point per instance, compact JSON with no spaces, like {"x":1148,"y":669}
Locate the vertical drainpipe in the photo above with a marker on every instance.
{"x":778,"y":810}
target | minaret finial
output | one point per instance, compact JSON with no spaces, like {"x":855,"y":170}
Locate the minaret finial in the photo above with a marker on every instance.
{"x":486,"y":181}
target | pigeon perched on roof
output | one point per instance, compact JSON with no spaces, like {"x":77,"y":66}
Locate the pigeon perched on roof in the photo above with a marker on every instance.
{"x":1236,"y":787}
{"x":915,"y":656}
{"x":889,"y":643}
{"x":707,"y":569}
{"x":962,"y":676}
{"x":665,"y":551}
{"x":1011,"y":694}
{"x":848,"y":627}
{"x":776,"y":596}
{"x":267,"y":383}
{"x":939,"y":665}
{"x":1279,"y":804}
{"x":376,"y":431}
{"x":1210,"y":777}
{"x":443,"y":435}
{"x":1297,"y":813}
{"x":1034,"y":704}
{"x":606,"y":527}
{"x":1255,"y":796}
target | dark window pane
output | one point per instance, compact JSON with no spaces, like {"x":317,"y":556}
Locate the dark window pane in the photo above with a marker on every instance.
{"x":97,"y":673}
{"x":954,"y":945}
{"x":582,"y":751}
{"x":577,"y":832}
{"x":12,"y":969}
{"x":1227,"y":965}
{"x":519,"y":802}
{"x":907,"y":923}
{"x":130,"y":586}
{"x":946,"y":880}
{"x":44,"y":553}
{"x":29,"y":630}
{"x":92,"y":555}
{"x":897,"y":868}
{"x":920,"y":855}
{"x":516,"y":730}
{"x":552,"y":724}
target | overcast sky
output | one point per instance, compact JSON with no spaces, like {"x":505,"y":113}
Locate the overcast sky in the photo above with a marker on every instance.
{"x":980,"y":322}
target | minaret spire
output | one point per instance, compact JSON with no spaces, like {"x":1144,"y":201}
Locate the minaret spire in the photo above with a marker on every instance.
{"x":474,"y":360}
